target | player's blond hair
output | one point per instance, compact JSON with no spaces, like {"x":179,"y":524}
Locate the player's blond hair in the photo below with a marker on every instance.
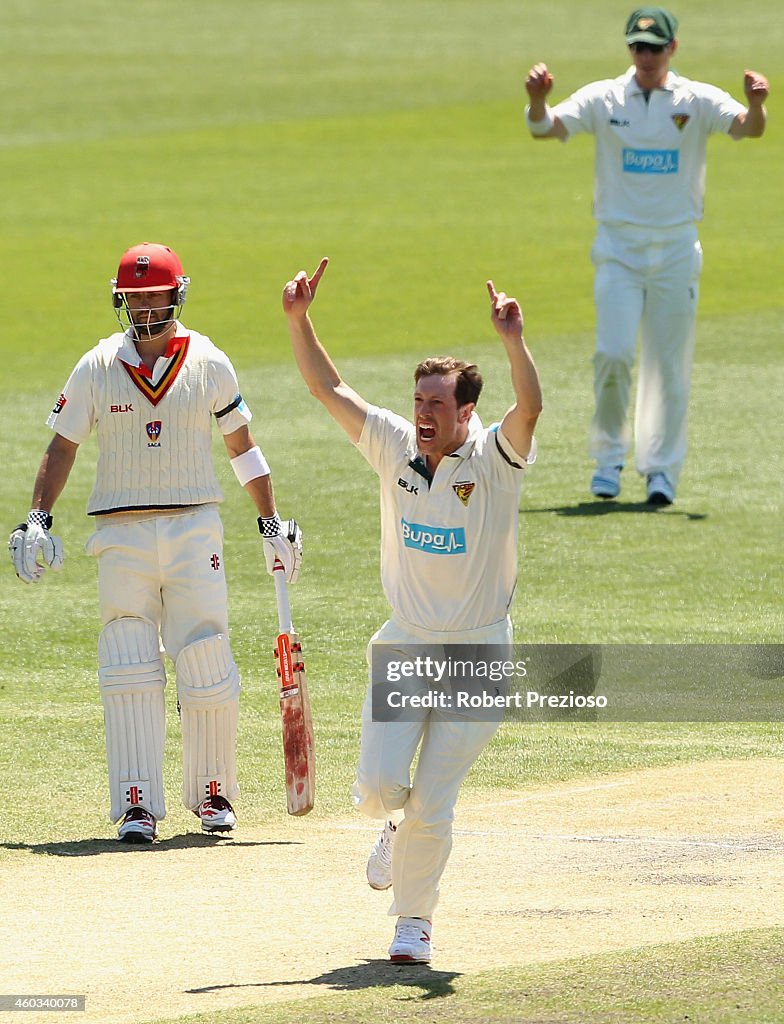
{"x":468,"y":379}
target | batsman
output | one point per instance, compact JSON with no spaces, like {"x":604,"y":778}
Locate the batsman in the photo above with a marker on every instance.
{"x":152,"y":392}
{"x":443,"y":474}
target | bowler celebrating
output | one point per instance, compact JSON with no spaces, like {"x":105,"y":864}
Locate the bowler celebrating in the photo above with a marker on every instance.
{"x":651,"y":128}
{"x":450,"y":493}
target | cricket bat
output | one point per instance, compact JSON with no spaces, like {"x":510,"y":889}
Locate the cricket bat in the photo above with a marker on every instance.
{"x":296,"y":721}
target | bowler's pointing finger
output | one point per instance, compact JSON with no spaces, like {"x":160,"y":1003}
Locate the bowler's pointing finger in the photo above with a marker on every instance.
{"x":499,"y":300}
{"x":318,"y":273}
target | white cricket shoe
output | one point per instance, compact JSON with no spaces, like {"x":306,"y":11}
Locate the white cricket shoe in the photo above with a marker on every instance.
{"x":606,"y":482}
{"x":217,"y":814}
{"x":379,"y":865}
{"x":411,"y":943}
{"x":137,"y":826}
{"x":660,"y":490}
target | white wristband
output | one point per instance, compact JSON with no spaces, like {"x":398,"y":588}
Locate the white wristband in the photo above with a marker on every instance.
{"x":539,"y":127}
{"x":249,"y":465}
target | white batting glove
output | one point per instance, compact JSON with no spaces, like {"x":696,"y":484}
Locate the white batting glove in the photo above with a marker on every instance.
{"x":33,"y":549}
{"x":282,"y":543}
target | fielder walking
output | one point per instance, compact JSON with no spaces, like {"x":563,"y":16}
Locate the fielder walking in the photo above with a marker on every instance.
{"x":651,"y":128}
{"x":442,"y":476}
{"x":151,"y":392}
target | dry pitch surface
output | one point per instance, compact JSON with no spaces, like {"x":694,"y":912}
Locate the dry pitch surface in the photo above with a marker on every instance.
{"x":199,"y":925}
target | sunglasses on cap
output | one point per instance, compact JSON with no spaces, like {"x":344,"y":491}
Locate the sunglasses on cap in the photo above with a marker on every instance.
{"x":644,"y":47}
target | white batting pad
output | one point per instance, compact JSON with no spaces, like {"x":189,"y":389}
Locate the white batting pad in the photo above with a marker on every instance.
{"x":131,"y":678}
{"x":208,"y":687}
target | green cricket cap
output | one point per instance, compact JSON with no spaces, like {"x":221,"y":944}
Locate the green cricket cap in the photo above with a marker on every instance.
{"x":651,"y":25}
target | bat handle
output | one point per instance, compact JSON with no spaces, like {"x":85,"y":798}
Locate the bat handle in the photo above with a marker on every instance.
{"x":282,"y":593}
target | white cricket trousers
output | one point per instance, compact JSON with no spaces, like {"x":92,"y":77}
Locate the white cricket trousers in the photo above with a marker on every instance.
{"x":447,"y":750}
{"x":168,"y":569}
{"x":647,"y":283}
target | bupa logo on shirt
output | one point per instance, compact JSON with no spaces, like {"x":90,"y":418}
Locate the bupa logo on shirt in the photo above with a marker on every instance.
{"x":650,"y":161}
{"x":437,"y":540}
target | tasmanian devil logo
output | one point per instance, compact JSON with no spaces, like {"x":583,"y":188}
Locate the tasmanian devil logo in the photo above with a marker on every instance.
{"x":464,"y":490}
{"x":154,"y":432}
{"x":681,"y":120}
{"x":142,"y":267}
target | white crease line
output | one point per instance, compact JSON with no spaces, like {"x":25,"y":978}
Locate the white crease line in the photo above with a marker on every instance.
{"x":552,"y":794}
{"x":347,"y":827}
{"x":631,"y":840}
{"x":556,"y":837}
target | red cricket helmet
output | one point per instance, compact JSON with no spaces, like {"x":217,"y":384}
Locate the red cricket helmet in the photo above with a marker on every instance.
{"x":149,"y":267}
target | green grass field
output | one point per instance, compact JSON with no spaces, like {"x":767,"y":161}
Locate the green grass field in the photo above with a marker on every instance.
{"x":255,"y":138}
{"x":718,"y":980}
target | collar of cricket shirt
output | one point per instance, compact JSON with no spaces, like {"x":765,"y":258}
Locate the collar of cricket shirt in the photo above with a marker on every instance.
{"x":475,"y":428}
{"x":634,"y":89}
{"x":142,"y":377}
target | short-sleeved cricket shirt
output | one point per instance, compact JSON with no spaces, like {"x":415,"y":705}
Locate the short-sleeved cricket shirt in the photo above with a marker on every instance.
{"x":650,"y":154}
{"x":153,"y":427}
{"x":448,"y":544}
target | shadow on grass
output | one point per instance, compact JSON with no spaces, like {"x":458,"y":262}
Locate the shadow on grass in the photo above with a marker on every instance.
{"x":604,"y":508}
{"x":369,"y":974}
{"x":97,"y":847}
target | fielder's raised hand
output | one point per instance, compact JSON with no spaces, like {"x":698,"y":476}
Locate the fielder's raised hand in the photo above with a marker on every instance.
{"x":300,"y":292}
{"x":755,"y":86}
{"x":505,"y":314}
{"x":538,"y":83}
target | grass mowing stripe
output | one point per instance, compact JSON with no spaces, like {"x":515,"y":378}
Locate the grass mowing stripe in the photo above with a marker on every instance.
{"x":399,"y":201}
{"x":242,"y":61}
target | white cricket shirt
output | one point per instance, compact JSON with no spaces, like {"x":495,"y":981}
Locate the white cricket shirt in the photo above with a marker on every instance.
{"x":650,"y":156}
{"x":154,"y":428}
{"x":448,"y":548}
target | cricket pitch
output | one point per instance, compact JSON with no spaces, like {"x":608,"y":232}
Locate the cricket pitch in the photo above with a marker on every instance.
{"x":564,"y":871}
